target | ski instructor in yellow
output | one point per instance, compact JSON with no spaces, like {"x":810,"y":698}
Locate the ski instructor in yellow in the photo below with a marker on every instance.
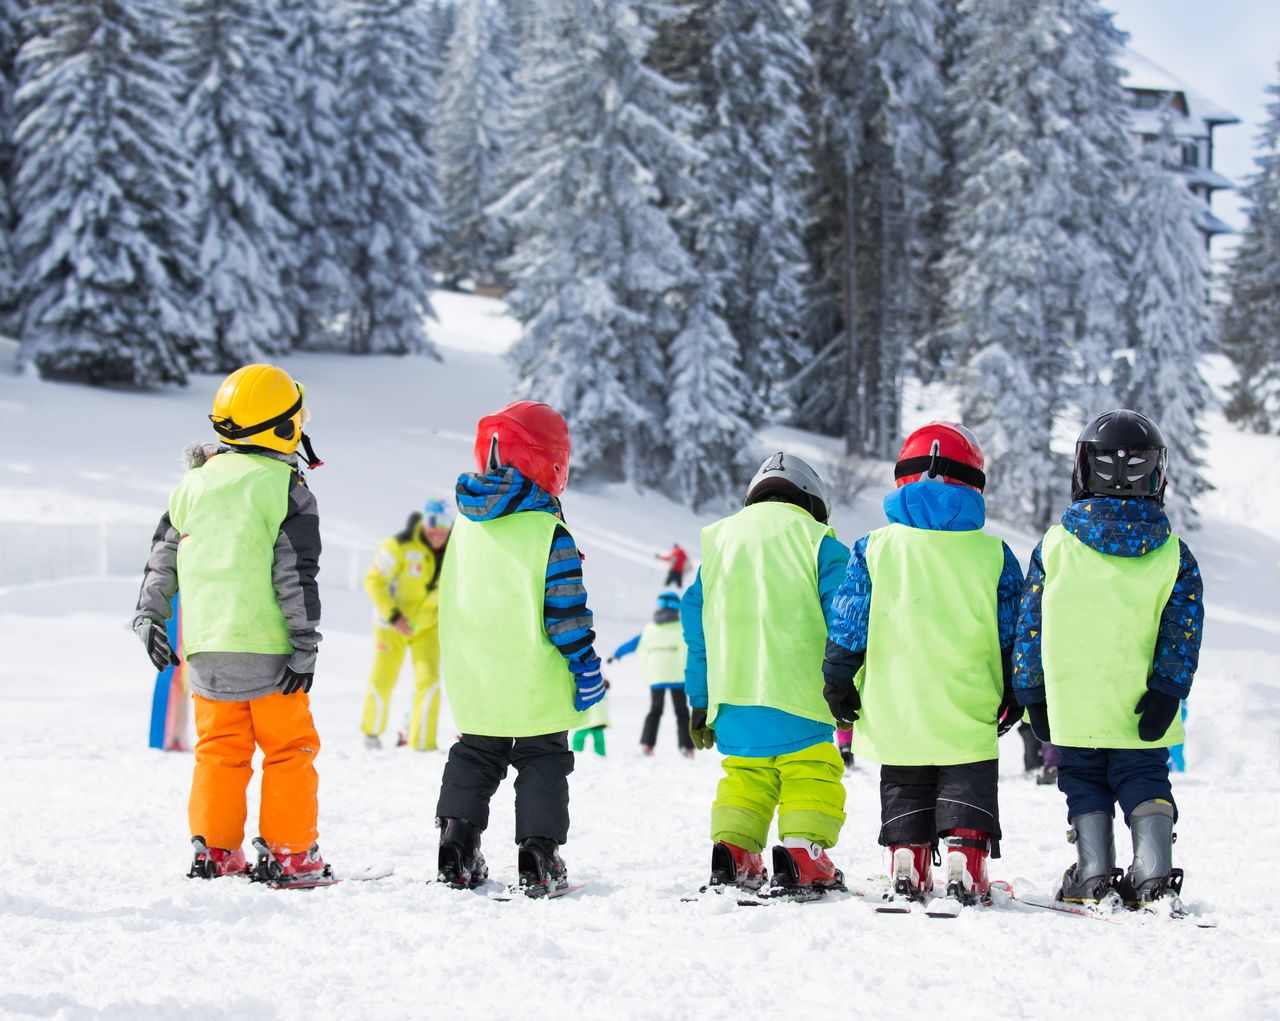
{"x":404,"y":584}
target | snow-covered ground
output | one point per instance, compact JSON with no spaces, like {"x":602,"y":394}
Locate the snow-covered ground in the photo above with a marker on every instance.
{"x":96,"y":919}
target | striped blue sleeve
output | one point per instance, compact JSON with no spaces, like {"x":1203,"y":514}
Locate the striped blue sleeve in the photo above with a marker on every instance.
{"x":565,"y":614}
{"x":627,"y":647}
{"x":851,"y":606}
{"x":1028,"y":668}
{"x":695,"y":664}
{"x":1181,"y":626}
{"x":833,"y":558}
{"x":1008,"y":595}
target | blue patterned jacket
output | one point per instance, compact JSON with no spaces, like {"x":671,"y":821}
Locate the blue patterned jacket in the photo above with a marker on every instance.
{"x":1119,"y":528}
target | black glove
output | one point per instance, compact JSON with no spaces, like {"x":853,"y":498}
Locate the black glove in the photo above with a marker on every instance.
{"x":703,"y":736}
{"x":1008,"y":714}
{"x":293,"y":681}
{"x":612,"y":659}
{"x":844,"y":703}
{"x":1038,"y":712}
{"x":161,"y":652}
{"x":1157,"y":711}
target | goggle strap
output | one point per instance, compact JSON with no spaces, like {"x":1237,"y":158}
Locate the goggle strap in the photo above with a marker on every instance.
{"x":227,"y":428}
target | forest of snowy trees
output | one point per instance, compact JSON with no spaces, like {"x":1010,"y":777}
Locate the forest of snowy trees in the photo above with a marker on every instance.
{"x":709,"y":215}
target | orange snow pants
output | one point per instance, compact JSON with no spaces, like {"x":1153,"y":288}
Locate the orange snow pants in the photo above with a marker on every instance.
{"x":225,"y":736}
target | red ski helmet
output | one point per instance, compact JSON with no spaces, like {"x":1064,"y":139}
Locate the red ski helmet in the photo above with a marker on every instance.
{"x":945,"y":450}
{"x":530,"y":436}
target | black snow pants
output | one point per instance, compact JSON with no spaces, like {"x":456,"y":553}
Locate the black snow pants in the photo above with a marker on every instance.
{"x":680,"y":702}
{"x":478,"y":764}
{"x":918,"y":804}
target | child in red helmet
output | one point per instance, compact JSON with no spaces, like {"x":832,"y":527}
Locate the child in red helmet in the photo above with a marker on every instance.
{"x":517,"y":647}
{"x":919,"y":661}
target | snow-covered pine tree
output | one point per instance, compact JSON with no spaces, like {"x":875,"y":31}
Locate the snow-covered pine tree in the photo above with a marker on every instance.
{"x":597,"y":259}
{"x":103,"y":249}
{"x":10,"y":24}
{"x":390,"y":206}
{"x":475,"y":100}
{"x":1251,"y":320}
{"x":1167,"y":314}
{"x":1036,"y":236}
{"x":307,"y":118}
{"x":229,"y":54}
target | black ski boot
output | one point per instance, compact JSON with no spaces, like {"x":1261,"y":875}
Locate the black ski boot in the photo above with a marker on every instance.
{"x":541,"y":867}
{"x":1090,"y":880}
{"x":1152,"y":876}
{"x":460,"y":863}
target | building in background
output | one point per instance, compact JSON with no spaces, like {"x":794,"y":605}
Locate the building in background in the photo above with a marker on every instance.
{"x":1153,"y":90}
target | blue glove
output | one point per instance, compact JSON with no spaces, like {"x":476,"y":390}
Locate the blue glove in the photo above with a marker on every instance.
{"x":588,"y":686}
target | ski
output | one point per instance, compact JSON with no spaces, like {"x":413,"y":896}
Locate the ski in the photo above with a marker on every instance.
{"x":535,"y":893}
{"x":367,"y":874}
{"x":1119,"y":916}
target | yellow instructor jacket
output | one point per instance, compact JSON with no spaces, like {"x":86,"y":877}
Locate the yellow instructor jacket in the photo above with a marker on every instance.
{"x":405,"y":577}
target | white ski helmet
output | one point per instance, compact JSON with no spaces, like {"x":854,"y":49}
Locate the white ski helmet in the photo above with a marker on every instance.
{"x":791,"y":476}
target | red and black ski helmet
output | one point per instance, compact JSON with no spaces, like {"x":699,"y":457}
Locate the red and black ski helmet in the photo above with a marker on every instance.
{"x":530,"y":436}
{"x":941,"y":450}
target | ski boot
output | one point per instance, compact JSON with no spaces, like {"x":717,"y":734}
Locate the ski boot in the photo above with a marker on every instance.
{"x":460,"y":863}
{"x":542,"y":870}
{"x":687,"y":752}
{"x":281,"y":867}
{"x":967,"y":853}
{"x":912,"y":872}
{"x":646,"y":750}
{"x":1048,"y":776}
{"x":803,"y":869}
{"x":212,"y":862}
{"x":1091,"y":879}
{"x":372,"y":743}
{"x":732,"y":865}
{"x":846,"y":756}
{"x":1152,"y":876}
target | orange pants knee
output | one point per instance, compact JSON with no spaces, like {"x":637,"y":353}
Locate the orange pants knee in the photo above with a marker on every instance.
{"x":226,"y":734}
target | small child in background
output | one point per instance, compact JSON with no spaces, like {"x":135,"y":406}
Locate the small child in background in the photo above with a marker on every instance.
{"x":662,"y":653}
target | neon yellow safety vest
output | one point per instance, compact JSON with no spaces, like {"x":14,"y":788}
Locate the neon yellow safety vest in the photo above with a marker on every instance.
{"x":662,"y":653}
{"x":503,"y":675}
{"x":1100,"y":619}
{"x":228,"y":512}
{"x":761,"y":612}
{"x":931,"y":682}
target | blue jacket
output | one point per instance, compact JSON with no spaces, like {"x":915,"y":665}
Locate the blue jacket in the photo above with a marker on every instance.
{"x":567,"y":619}
{"x":758,"y":731}
{"x":937,"y":507}
{"x":1119,"y":528}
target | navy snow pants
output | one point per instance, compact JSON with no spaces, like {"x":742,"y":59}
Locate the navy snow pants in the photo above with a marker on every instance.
{"x":1094,"y":779}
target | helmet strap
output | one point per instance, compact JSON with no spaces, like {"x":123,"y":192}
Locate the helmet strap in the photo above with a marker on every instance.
{"x":229,"y":430}
{"x":313,"y":462}
{"x":935,"y":465}
{"x":493,"y":464}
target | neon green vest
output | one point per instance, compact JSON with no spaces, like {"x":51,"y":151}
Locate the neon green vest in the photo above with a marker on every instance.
{"x":503,"y":676}
{"x":931,"y":682}
{"x":1101,"y":617}
{"x":228,"y":512}
{"x":761,"y":612}
{"x":662,"y":653}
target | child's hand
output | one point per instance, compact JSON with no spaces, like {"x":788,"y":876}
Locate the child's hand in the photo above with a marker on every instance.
{"x":703,"y":736}
{"x":1157,"y":711}
{"x":589,"y":688}
{"x":844,"y":703}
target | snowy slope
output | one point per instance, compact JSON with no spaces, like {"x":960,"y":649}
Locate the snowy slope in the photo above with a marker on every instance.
{"x":96,"y":918}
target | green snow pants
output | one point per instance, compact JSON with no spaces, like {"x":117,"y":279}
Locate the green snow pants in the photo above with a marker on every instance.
{"x":805,"y":788}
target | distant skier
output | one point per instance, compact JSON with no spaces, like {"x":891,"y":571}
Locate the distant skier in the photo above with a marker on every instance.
{"x":662,"y":659}
{"x":679,"y":561}
{"x":925,"y":621}
{"x":241,"y":538}
{"x":404,"y":583}
{"x":519,"y":663}
{"x":755,"y":620}
{"x":1108,"y":643}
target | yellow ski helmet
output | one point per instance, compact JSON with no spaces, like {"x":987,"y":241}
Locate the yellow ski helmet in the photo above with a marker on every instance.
{"x":259,"y":406}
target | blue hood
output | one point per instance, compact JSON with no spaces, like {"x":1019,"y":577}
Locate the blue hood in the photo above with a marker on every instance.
{"x":936,"y":506}
{"x":486,"y":497}
{"x":1118,"y":527}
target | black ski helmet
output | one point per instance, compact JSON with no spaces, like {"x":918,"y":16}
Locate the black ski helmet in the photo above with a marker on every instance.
{"x":1120,"y":453}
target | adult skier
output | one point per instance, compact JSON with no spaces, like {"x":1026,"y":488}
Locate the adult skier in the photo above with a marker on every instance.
{"x":918,"y":661}
{"x":679,"y":561}
{"x":662,"y":658}
{"x":755,"y":620}
{"x":404,"y":584}
{"x":241,"y":539}
{"x":519,"y":663}
{"x":1108,"y":643}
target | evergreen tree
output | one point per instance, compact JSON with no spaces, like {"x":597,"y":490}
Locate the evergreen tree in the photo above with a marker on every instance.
{"x":1037,"y":232}
{"x":1251,"y":320}
{"x":390,"y":206}
{"x":229,"y":51}
{"x":475,"y":97}
{"x":10,"y":24}
{"x":104,"y":259}
{"x":597,"y":259}
{"x":1168,"y":320}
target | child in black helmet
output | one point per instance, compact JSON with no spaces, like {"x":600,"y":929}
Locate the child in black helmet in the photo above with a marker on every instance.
{"x":1108,"y":642}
